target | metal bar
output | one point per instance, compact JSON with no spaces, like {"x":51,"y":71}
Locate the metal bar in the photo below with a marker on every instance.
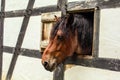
{"x":20,"y":39}
{"x":1,"y":35}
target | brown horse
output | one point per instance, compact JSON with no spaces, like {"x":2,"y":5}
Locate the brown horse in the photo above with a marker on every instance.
{"x":73,"y":33}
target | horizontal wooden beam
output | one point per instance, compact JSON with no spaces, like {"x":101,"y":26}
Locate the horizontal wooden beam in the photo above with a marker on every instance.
{"x":102,"y":63}
{"x":34,"y":12}
{"x":23,"y":52}
{"x":71,"y":6}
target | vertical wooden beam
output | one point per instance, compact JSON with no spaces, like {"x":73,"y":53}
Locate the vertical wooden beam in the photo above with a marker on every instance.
{"x":1,"y":34}
{"x":20,"y":39}
{"x":59,"y":72}
{"x":96,"y":32}
{"x":62,"y":4}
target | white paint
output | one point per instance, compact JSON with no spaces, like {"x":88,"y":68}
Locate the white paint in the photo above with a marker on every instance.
{"x":26,"y":68}
{"x":11,"y":30}
{"x":0,"y":5}
{"x":15,"y":4}
{"x":41,"y":3}
{"x":109,"y":46}
{"x":6,"y":61}
{"x":75,"y":0}
{"x":86,"y":73}
{"x":32,"y":36}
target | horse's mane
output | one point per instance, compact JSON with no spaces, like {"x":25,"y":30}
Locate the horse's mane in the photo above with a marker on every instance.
{"x":83,"y":22}
{"x":84,"y":25}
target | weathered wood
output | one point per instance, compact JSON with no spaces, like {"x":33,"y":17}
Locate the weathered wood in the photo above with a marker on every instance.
{"x":59,"y":72}
{"x":20,"y":39}
{"x":95,"y":48}
{"x":1,"y":35}
{"x":102,"y":63}
{"x":35,"y":11}
{"x":71,"y":6}
{"x":62,"y":4}
{"x":23,"y":52}
{"x":102,"y":4}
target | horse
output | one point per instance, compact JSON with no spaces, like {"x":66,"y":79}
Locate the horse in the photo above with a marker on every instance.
{"x":71,"y":34}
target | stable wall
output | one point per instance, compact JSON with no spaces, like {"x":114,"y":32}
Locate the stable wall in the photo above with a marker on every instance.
{"x":28,"y":68}
{"x":87,"y":73}
{"x":109,"y":47}
{"x":109,"y":41}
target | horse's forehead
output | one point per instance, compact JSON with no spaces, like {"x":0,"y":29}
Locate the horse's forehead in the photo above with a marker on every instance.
{"x":59,"y":32}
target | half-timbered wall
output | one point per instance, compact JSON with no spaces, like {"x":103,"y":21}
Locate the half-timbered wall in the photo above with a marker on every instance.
{"x":105,"y":61}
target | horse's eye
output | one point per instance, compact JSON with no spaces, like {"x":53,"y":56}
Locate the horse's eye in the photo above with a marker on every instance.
{"x":59,"y":37}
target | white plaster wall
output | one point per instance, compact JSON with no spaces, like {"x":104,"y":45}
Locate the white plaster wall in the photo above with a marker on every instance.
{"x":0,"y":5}
{"x":41,"y":3}
{"x":32,"y":37}
{"x":109,"y":46}
{"x":33,"y":33}
{"x":11,"y":30}
{"x":76,"y":0}
{"x":13,"y":4}
{"x":87,"y":73}
{"x":26,"y":68}
{"x":31,"y":69}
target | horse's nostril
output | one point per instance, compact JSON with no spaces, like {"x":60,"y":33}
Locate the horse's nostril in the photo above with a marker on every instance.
{"x":45,"y":64}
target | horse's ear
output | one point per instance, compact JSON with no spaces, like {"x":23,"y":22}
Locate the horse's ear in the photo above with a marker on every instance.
{"x":70,"y":18}
{"x":56,"y":18}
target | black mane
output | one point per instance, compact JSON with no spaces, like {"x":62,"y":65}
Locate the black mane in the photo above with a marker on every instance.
{"x":83,"y":22}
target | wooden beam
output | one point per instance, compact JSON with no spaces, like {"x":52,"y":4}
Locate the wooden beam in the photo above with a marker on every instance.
{"x":71,"y":6}
{"x":59,"y":72}
{"x":23,"y":52}
{"x":62,"y":4}
{"x":20,"y":39}
{"x":1,"y":34}
{"x":35,"y":11}
{"x":102,"y":63}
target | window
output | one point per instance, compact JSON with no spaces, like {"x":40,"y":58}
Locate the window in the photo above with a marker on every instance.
{"x":48,"y":21}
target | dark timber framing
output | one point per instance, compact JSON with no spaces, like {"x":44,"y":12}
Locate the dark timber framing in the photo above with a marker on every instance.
{"x":78,"y":5}
{"x":96,"y":62}
{"x":102,"y":63}
{"x":20,"y":39}
{"x":1,"y":34}
{"x":23,"y":52}
{"x":59,"y":72}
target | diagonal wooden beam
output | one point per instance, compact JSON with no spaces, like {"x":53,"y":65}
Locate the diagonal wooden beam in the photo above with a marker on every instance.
{"x":20,"y":39}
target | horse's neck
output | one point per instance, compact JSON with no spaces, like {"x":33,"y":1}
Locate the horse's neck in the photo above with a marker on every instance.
{"x":78,"y":49}
{"x":81,"y":51}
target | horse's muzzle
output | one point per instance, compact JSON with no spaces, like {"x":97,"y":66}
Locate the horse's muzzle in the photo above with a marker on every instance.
{"x":49,"y":65}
